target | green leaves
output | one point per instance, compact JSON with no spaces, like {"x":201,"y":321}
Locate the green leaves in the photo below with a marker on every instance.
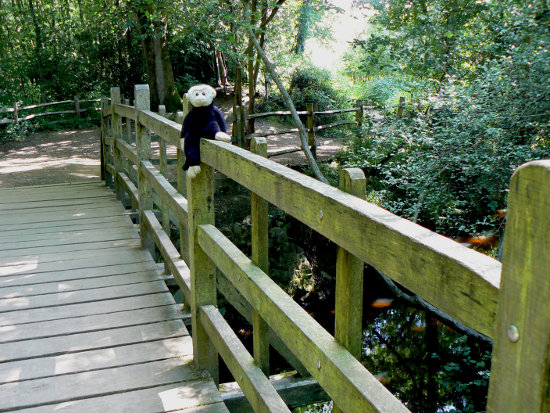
{"x":486,"y":109}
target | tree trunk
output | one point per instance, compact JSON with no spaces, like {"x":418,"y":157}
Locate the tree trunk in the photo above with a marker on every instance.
{"x":4,"y":44}
{"x":159,"y":69}
{"x":302,"y":29}
{"x":253,"y":68}
{"x":250,"y":66}
{"x":172,"y":99}
{"x":38,"y":39}
{"x":221,"y":70}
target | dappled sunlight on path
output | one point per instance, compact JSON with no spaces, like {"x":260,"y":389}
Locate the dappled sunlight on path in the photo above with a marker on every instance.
{"x":51,"y":158}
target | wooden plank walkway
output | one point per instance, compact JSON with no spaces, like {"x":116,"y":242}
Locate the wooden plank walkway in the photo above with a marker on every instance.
{"x":87,"y":323}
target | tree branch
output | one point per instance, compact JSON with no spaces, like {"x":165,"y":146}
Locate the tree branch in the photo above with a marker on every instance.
{"x":303,"y":134}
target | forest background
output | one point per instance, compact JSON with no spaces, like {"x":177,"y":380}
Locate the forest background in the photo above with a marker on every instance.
{"x":474,"y":75}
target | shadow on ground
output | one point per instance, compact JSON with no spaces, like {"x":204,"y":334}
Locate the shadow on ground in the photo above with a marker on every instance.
{"x":51,"y":158}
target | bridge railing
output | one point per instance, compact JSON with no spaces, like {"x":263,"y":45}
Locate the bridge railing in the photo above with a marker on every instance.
{"x":509,"y":303}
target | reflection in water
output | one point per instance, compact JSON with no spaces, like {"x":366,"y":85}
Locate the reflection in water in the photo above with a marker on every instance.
{"x":426,"y":365}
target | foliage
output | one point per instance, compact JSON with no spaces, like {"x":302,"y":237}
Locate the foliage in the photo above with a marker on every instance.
{"x":330,"y":171}
{"x":428,"y":40}
{"x":310,"y":23}
{"x":449,"y":165}
{"x":14,"y":132}
{"x":315,"y":408}
{"x":450,"y":170}
{"x":310,"y":84}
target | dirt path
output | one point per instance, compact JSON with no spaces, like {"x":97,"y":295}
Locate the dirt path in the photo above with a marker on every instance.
{"x":73,"y":155}
{"x":51,"y":158}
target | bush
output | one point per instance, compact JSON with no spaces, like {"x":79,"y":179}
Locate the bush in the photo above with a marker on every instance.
{"x":380,"y":92}
{"x":448,"y":170}
{"x":14,"y":132}
{"x":309,"y":84}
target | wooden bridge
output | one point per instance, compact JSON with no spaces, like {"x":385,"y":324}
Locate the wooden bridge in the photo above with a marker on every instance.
{"x":87,"y":323}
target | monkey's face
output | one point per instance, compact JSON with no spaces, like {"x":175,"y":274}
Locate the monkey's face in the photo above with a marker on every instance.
{"x":201,"y":95}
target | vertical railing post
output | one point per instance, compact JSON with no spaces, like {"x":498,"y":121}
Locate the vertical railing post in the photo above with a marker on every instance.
{"x":182,"y":185}
{"x":162,"y":146}
{"x":311,"y":108}
{"x":101,"y":142}
{"x":237,"y":130}
{"x":520,"y":367}
{"x":179,"y":117}
{"x":163,"y":166}
{"x":239,"y":112}
{"x":116,"y":122}
{"x":16,"y":112}
{"x":143,"y":149}
{"x":200,"y":203}
{"x":348,"y":327}
{"x":400,"y":107}
{"x":260,"y":247}
{"x":77,"y":106}
{"x":242,"y":128}
{"x":128,"y":135}
{"x":104,"y":147}
{"x":359,"y":114}
{"x":237,"y":100}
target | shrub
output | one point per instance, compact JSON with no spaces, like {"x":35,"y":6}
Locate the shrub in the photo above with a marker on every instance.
{"x":309,"y":84}
{"x":448,"y":170}
{"x":13,"y":132}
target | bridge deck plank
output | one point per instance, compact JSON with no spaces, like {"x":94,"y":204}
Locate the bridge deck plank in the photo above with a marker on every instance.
{"x":72,"y":225}
{"x":86,"y":320}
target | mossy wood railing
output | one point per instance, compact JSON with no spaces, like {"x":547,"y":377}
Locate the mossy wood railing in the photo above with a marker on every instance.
{"x":467,"y":285}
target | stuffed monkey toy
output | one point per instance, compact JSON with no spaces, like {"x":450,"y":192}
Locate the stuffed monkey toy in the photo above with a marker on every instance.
{"x":204,"y":120}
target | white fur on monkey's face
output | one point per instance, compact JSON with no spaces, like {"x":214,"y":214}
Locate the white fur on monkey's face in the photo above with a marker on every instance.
{"x":201,"y":95}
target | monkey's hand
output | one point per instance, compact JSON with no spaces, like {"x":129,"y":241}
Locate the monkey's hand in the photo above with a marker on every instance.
{"x":193,"y":171}
{"x":222,"y":136}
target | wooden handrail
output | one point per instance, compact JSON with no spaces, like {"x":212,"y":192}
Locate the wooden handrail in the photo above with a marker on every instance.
{"x":349,"y":384}
{"x":164,"y":128}
{"x":126,"y":111}
{"x":461,"y":282}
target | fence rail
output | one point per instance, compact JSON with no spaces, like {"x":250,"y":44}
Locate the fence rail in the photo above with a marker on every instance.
{"x":16,"y":109}
{"x":467,"y":285}
{"x":312,"y":126}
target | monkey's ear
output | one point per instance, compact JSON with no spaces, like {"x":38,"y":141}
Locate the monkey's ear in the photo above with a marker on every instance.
{"x":211,"y":93}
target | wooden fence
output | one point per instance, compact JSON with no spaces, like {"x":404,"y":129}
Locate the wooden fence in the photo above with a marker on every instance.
{"x":18,"y":117}
{"x":312,"y":124}
{"x":508,"y":302}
